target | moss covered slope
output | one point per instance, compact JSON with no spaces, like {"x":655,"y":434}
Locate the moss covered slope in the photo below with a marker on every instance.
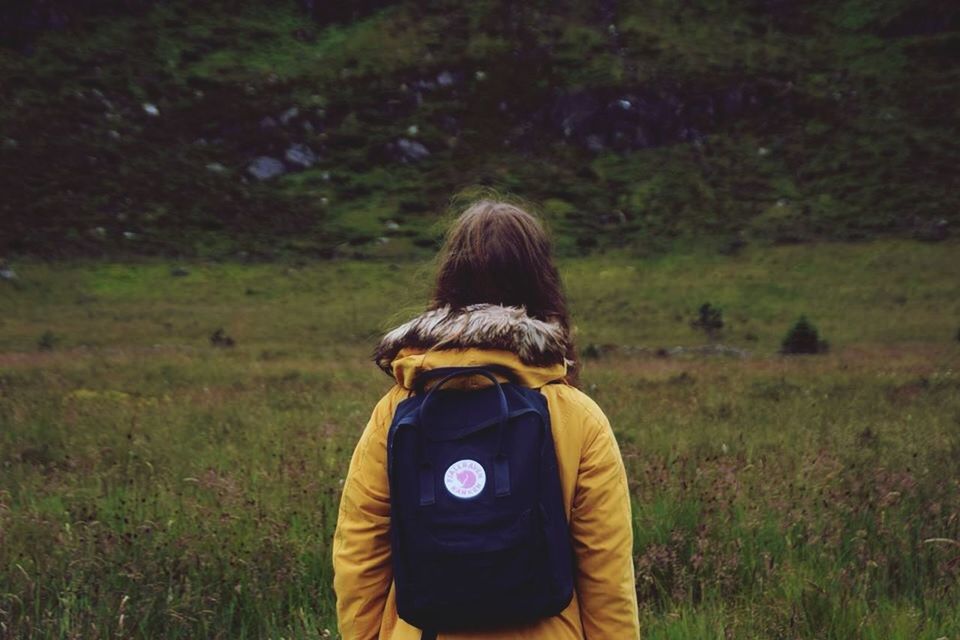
{"x":639,"y":124}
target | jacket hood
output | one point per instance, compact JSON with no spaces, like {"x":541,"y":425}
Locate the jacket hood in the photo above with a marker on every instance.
{"x":477,"y":335}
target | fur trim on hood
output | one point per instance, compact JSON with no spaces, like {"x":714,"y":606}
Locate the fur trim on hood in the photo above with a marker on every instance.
{"x":479,"y":326}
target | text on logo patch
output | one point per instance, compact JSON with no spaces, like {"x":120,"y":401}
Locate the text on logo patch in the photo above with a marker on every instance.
{"x":465,"y":478}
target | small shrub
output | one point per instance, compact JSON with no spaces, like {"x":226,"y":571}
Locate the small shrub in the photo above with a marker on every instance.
{"x":803,"y":337}
{"x":47,"y":341}
{"x":594,"y":351}
{"x":585,"y":244}
{"x":219,"y":338}
{"x":733,"y":246}
{"x":867,"y":438}
{"x":709,"y":320}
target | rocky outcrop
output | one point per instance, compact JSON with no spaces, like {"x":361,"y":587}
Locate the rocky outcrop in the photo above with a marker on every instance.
{"x":266,"y":168}
{"x":639,"y":118}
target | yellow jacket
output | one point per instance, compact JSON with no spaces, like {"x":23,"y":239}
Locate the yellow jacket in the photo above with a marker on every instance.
{"x":595,"y":495}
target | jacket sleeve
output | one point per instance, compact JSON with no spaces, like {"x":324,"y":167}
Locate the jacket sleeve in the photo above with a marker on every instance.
{"x":602,"y":532}
{"x":361,"y":543}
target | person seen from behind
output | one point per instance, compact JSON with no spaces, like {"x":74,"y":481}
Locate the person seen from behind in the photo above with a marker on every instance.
{"x":497,"y":304}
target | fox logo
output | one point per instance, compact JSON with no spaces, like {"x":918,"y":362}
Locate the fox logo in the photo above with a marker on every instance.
{"x":467,"y":478}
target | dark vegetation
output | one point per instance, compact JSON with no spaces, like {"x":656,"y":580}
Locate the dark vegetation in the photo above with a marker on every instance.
{"x":138,"y":127}
{"x":47,"y":341}
{"x":219,"y":338}
{"x":709,"y":320}
{"x":803,"y":337}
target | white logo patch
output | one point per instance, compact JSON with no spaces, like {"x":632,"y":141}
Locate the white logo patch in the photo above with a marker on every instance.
{"x":465,"y":479}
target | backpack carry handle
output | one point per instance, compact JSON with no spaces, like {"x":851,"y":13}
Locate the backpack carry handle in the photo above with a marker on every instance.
{"x":419,"y":385}
{"x":449,"y":373}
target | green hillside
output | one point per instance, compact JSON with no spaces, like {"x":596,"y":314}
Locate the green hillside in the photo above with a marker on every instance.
{"x":137,"y":130}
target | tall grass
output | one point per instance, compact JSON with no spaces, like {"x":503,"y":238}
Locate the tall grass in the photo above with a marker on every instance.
{"x":154,"y":485}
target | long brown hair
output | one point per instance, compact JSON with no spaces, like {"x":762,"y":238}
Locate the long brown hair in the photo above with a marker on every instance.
{"x":497,"y":253}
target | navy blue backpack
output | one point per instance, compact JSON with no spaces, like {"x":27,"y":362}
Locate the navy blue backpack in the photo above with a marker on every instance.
{"x":478,"y":530}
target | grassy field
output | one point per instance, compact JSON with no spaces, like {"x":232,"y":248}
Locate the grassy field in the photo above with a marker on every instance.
{"x":154,"y":485}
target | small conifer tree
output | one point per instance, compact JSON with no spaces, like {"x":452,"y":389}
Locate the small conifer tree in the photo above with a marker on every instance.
{"x":803,"y":337}
{"x":709,"y":320}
